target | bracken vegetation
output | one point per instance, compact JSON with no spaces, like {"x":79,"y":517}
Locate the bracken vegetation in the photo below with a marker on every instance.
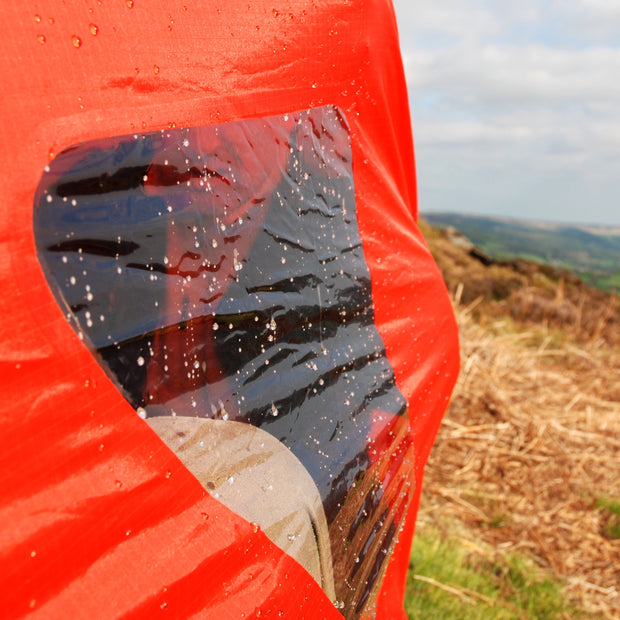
{"x":522,"y":490}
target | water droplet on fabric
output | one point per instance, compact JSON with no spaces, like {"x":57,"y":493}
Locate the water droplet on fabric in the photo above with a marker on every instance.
{"x":140,"y":361}
{"x":155,"y":69}
{"x":41,"y":38}
{"x":141,"y":411}
{"x":77,"y":42}
{"x":238,"y":265}
{"x":129,"y":4}
{"x":118,"y":484}
{"x":93,"y":29}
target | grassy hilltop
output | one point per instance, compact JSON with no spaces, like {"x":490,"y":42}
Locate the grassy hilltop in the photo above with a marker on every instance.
{"x":520,"y":516}
{"x":592,"y":252}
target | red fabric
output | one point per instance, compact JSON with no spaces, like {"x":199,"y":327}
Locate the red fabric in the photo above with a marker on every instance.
{"x":98,"y":518}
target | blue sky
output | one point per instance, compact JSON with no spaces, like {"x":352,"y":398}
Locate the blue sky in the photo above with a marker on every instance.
{"x":515,"y":106}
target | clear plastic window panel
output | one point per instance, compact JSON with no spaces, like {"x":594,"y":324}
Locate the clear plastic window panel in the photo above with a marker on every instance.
{"x":217,"y":274}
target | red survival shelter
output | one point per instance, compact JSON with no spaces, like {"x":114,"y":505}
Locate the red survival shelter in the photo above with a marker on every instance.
{"x":103,"y":513}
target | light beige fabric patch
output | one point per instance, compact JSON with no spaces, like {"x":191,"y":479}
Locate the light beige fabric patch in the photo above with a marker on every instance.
{"x":260,"y":479}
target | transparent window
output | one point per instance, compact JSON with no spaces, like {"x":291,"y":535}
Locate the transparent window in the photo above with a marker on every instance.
{"x":217,"y":274}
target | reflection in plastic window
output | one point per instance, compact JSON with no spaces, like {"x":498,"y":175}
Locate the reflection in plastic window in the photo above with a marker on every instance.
{"x":218,"y":275}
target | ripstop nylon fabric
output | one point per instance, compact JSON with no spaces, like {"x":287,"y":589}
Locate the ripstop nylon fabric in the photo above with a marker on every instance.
{"x":100,"y":518}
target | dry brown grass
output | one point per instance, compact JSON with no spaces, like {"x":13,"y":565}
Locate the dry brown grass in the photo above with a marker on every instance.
{"x":530,"y":442}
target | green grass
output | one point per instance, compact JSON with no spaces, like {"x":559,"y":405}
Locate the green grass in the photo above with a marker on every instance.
{"x":606,"y":282}
{"x":611,"y":512}
{"x":448,"y":581}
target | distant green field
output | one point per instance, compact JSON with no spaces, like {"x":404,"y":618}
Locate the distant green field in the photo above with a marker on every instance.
{"x":593,"y":253}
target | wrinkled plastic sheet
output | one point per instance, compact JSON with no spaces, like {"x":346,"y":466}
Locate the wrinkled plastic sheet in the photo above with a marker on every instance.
{"x":218,"y":276}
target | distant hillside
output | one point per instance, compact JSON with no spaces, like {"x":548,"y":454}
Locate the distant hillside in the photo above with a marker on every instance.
{"x":592,"y":252}
{"x":530,"y":292}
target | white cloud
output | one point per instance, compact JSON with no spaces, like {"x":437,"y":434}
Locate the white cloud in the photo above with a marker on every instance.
{"x":519,"y":75}
{"x":516,"y":97}
{"x":595,"y":20}
{"x":444,"y":21}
